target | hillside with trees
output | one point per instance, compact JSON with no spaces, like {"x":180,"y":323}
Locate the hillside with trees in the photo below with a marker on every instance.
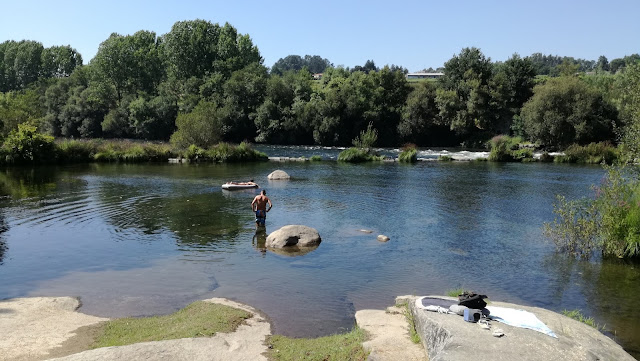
{"x":203,"y":83}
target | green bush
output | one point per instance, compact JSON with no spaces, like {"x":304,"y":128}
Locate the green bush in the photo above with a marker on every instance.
{"x":523,"y":155}
{"x":315,"y":158}
{"x":507,"y":149}
{"x":445,"y":158}
{"x":25,"y":145}
{"x":194,"y":152}
{"x":610,"y":223}
{"x":593,"y":153}
{"x":408,"y":155}
{"x":356,"y":155}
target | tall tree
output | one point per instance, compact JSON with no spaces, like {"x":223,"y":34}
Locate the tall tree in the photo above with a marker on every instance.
{"x":566,"y":110}
{"x":130,"y":63}
{"x":603,"y":63}
{"x":464,"y":100}
{"x":60,"y":61}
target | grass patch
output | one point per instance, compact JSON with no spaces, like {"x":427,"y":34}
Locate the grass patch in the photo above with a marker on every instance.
{"x":347,"y":346}
{"x":199,"y":319}
{"x":315,"y":158}
{"x":357,"y":155}
{"x":445,"y":158}
{"x":455,"y":292}
{"x":413,"y":333}
{"x":578,"y":316}
{"x":224,"y":153}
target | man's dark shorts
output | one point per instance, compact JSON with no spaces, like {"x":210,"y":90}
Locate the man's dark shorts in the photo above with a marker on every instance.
{"x":261,"y":217}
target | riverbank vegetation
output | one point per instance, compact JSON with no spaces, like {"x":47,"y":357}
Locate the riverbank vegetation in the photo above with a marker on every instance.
{"x":204,"y":83}
{"x":26,"y":146}
{"x":608,"y":223}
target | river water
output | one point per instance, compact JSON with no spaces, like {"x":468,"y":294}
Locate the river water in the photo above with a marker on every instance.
{"x":149,"y":239}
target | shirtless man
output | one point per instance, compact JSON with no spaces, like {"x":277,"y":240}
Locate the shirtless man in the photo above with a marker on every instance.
{"x":259,"y":205}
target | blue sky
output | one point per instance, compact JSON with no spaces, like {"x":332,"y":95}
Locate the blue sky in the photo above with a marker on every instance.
{"x":411,"y":33}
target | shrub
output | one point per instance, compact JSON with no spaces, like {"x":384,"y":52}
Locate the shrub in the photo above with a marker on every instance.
{"x":408,"y":155}
{"x":501,"y":147}
{"x":445,"y":158}
{"x":25,"y":145}
{"x":367,"y":138}
{"x":610,"y":223}
{"x":315,"y":158}
{"x":523,"y":155}
{"x":507,"y":149}
{"x":194,"y":152}
{"x":593,"y":153}
{"x":356,"y":155}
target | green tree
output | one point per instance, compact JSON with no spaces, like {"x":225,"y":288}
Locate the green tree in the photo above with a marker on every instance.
{"x":566,"y":110}
{"x":464,"y":100}
{"x":17,"y":107}
{"x":602,"y":64}
{"x":201,"y":127}
{"x":511,"y":86}
{"x":289,"y":62}
{"x":421,"y":123}
{"x":129,"y":63}
{"x":280,"y":118}
{"x":313,"y":63}
{"x":60,"y":61}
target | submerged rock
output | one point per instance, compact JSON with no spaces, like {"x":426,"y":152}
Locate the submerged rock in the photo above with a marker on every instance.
{"x":383,"y":238}
{"x":278,"y":174}
{"x":293,"y":235}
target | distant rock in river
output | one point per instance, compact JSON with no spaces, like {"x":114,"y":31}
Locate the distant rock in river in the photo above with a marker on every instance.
{"x":278,"y":174}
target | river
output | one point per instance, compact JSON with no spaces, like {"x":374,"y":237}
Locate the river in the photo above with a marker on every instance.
{"x":150,"y":238}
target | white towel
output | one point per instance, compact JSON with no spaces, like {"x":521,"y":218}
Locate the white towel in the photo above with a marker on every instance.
{"x":519,"y":318}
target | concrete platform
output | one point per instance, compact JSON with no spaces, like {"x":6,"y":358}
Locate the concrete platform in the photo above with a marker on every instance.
{"x":449,"y":337}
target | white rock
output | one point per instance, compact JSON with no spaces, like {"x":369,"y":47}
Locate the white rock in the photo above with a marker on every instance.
{"x":278,"y":174}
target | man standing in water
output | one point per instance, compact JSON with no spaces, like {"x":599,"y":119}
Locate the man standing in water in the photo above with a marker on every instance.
{"x":259,"y":205}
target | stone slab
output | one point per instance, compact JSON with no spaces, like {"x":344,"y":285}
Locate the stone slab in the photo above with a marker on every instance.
{"x":448,"y":337}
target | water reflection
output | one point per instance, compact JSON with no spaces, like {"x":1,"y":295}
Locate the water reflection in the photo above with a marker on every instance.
{"x":3,"y":241}
{"x":259,"y":243}
{"x":260,"y":239}
{"x":609,"y":292}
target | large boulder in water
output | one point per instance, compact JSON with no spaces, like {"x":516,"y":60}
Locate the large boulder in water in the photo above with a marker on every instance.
{"x":293,"y":236}
{"x":278,"y":174}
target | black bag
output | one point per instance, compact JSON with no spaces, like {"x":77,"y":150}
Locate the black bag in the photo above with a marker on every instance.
{"x":472,"y":300}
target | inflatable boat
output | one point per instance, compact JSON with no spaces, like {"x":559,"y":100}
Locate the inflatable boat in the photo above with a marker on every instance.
{"x":235,"y":186}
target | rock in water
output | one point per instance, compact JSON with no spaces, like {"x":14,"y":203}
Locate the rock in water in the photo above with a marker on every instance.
{"x":293,"y":235}
{"x":383,"y":238}
{"x":278,"y":174}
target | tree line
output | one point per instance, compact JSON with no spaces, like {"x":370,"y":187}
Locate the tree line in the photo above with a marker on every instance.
{"x":203,"y":83}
